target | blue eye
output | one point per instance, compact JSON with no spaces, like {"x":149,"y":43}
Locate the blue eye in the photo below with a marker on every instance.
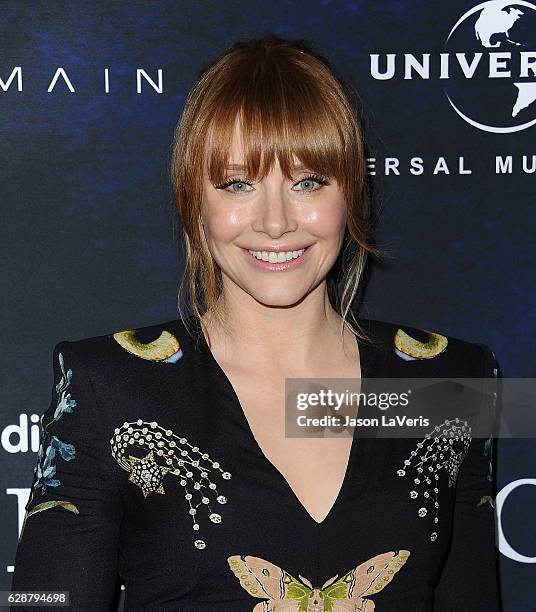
{"x":313,"y":178}
{"x":310,"y":179}
{"x":233,"y":182}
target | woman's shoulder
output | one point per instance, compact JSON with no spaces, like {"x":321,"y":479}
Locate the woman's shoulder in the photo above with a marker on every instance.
{"x":433,"y":350}
{"x":156,"y":343}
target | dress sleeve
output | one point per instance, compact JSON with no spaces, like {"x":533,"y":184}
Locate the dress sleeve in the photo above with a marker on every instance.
{"x":70,"y":533}
{"x":469,"y":579}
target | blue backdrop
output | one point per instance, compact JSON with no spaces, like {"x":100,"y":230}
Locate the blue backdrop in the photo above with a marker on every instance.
{"x":89,"y":95}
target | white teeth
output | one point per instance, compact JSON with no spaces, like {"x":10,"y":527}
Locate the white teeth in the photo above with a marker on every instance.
{"x":274,"y":257}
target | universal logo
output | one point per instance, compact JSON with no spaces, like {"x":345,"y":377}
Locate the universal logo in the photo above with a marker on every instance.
{"x":488,"y":66}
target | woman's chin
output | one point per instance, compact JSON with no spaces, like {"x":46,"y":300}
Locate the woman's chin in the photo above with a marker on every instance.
{"x":279,"y":299}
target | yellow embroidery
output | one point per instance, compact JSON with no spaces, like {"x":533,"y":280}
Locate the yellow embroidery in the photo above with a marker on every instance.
{"x":52,"y":504}
{"x":46,"y":506}
{"x":164,"y":348}
{"x":407,"y":346}
{"x":486,"y":499}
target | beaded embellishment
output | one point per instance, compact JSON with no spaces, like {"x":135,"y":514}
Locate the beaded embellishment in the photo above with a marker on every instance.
{"x":443,"y":448}
{"x":178,"y":454}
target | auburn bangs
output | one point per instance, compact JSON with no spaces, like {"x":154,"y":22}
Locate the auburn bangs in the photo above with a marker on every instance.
{"x":285,"y":118}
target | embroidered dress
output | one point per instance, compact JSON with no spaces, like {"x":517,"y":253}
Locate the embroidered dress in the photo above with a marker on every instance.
{"x":148,"y":473}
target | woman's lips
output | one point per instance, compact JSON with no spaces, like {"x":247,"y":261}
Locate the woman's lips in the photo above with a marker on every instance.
{"x":279,"y":266}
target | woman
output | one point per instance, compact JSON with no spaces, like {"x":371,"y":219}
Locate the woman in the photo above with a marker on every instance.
{"x":163,"y":452}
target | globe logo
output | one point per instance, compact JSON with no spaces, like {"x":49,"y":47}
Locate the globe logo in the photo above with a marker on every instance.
{"x":495,"y":89}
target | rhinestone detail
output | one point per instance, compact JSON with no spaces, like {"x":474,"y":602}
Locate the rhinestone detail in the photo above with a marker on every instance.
{"x":444,"y":451}
{"x":195,"y":469}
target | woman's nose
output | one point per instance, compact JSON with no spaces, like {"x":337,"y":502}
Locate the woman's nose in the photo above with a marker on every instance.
{"x":275,"y":213}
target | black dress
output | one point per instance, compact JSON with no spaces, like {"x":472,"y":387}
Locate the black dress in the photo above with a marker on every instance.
{"x":148,"y":471}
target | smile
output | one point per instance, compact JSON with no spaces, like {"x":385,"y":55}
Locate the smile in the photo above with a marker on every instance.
{"x":277,"y":261}
{"x":280,"y":257}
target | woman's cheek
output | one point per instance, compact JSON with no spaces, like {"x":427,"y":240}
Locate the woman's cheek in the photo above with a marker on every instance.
{"x":327,"y":221}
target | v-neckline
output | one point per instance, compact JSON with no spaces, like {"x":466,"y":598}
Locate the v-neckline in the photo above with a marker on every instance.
{"x":366,"y":360}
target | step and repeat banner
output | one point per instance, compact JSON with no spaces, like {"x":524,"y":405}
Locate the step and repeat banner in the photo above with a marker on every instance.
{"x":90,"y":93}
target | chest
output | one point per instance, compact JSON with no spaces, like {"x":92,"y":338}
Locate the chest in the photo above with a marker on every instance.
{"x":314,"y":464}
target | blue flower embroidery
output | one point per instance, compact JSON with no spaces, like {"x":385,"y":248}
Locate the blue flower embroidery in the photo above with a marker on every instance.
{"x":45,"y":470}
{"x":65,"y":403}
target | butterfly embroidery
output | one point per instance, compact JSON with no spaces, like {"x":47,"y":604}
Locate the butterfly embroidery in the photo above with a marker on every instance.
{"x":284,"y":593}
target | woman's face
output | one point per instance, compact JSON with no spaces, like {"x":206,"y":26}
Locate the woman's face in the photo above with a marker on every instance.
{"x":274,"y":218}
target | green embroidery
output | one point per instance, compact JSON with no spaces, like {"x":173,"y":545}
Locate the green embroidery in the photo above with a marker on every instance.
{"x":267,"y":581}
